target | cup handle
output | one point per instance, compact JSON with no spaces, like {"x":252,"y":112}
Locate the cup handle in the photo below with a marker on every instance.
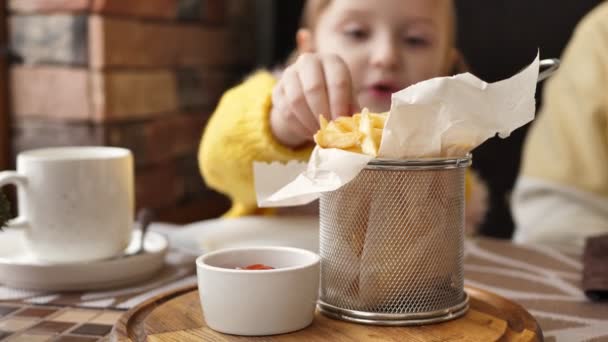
{"x":12,"y":177}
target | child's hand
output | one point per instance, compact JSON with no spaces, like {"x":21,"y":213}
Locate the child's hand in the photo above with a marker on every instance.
{"x":313,"y":85}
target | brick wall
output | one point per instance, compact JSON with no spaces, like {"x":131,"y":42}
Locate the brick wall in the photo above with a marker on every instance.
{"x":141,"y":74}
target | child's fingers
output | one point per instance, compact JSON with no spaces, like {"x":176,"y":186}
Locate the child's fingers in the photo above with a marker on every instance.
{"x":297,"y":128}
{"x":310,"y":72}
{"x":339,"y":85}
{"x":288,"y":121}
{"x":296,"y":101}
{"x":355,"y":107}
{"x":279,"y":103}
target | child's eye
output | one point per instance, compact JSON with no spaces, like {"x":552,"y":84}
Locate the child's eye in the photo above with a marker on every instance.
{"x":414,"y":41}
{"x":356,"y":33}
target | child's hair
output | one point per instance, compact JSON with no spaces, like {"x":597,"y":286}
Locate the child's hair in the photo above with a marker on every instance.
{"x":313,"y":8}
{"x":311,"y":13}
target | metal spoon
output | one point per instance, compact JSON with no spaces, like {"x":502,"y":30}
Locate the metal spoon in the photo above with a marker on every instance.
{"x":145,"y":216}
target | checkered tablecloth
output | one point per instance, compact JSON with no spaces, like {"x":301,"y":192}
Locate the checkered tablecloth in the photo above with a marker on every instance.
{"x":37,"y":316}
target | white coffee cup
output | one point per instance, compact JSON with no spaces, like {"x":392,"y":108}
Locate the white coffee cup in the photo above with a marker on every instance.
{"x":75,"y":203}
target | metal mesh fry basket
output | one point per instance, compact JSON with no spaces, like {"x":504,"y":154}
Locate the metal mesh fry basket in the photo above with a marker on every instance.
{"x":391,"y":244}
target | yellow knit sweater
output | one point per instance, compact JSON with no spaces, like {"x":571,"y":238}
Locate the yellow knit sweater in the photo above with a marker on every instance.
{"x":238,"y":134}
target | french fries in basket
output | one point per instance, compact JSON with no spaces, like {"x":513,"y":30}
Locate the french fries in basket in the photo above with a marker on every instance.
{"x":360,"y":133}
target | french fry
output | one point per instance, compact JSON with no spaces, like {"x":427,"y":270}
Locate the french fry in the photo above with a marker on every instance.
{"x":356,"y":149}
{"x":378,"y":119}
{"x":346,"y":124}
{"x":356,"y":119}
{"x":377,"y":136}
{"x":366,"y":126}
{"x":360,"y":133}
{"x":330,"y":139}
{"x":333,"y":127}
{"x":322,"y":122}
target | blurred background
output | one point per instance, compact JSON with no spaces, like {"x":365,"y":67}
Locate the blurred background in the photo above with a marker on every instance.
{"x":146,"y":75}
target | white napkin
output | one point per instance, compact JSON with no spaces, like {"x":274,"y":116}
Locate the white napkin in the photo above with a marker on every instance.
{"x":444,"y":116}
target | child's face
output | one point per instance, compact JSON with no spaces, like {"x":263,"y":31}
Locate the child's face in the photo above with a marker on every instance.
{"x":387,"y":44}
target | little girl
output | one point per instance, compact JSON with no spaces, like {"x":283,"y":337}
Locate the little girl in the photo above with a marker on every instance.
{"x":351,"y":54}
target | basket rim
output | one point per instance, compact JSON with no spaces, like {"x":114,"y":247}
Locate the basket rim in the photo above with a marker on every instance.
{"x":421,"y":163}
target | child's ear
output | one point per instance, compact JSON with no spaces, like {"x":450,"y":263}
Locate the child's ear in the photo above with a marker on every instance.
{"x":304,"y":41}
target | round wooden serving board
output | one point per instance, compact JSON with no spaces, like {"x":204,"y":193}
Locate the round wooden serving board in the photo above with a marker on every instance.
{"x":177,"y":316}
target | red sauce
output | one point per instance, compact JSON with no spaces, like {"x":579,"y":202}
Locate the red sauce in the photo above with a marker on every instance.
{"x":256,"y":267}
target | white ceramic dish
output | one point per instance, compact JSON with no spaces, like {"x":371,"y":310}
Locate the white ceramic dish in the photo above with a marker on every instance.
{"x":258,"y":302}
{"x":20,"y":269}
{"x":210,"y":235}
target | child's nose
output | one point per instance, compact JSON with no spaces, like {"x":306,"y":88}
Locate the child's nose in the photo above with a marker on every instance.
{"x":385,"y":54}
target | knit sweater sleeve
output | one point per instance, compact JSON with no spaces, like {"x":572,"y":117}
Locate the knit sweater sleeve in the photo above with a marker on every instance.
{"x":237,"y":134}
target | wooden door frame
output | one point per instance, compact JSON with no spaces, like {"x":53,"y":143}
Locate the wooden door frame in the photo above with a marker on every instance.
{"x":5,"y":130}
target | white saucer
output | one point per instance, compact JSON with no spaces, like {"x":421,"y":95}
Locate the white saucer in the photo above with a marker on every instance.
{"x":209,"y":235}
{"x":19,"y":269}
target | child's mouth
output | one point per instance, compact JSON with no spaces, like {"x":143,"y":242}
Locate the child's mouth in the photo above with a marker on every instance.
{"x":382,"y":90}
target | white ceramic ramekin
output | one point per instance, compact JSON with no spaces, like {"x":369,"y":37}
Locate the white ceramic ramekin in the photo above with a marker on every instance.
{"x":258,"y":302}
